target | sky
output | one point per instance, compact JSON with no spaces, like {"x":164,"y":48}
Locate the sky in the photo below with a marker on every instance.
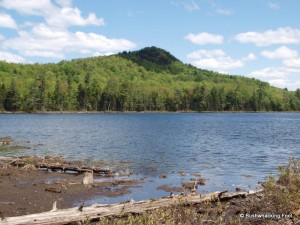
{"x":253,"y":38}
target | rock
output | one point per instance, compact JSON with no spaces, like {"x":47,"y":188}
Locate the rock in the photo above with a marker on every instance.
{"x":201,"y":181}
{"x":237,"y":189}
{"x":163,"y":176}
{"x":53,"y":189}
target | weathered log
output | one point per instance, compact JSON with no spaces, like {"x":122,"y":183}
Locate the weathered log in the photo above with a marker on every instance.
{"x":97,"y":211}
{"x":19,"y":162}
{"x":65,"y":167}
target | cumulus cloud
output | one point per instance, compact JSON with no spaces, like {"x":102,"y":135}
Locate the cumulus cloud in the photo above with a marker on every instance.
{"x":52,"y":37}
{"x":292,"y":62}
{"x":284,"y":83}
{"x":32,"y":7}
{"x":54,"y":15}
{"x":45,"y":41}
{"x":206,"y":54}
{"x":204,"y":38}
{"x":9,"y":57}
{"x":214,"y":60}
{"x":283,"y":35}
{"x":282,"y":77}
{"x":280,"y":53}
{"x":7,"y":21}
{"x":72,"y":17}
{"x":274,"y":72}
{"x":249,"y":57}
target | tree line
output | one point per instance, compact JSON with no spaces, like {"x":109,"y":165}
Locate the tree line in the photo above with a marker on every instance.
{"x":159,"y":82}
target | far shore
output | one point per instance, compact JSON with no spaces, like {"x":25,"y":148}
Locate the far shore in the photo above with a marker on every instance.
{"x":137,"y":112}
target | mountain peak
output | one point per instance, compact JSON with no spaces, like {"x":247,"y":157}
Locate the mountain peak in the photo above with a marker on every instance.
{"x":152,"y":58}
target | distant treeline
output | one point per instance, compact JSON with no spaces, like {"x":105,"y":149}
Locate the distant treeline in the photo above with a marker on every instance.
{"x":150,"y":79}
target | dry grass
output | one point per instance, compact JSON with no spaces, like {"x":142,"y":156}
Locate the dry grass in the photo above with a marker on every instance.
{"x":280,"y":198}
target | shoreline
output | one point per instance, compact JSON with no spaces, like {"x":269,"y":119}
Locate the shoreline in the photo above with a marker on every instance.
{"x":44,"y":197}
{"x":141,"y":112}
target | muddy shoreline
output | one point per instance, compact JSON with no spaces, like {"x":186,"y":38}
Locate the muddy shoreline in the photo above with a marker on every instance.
{"x":26,"y":189}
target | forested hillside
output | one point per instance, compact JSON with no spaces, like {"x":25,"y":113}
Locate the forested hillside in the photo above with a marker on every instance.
{"x":150,"y":79}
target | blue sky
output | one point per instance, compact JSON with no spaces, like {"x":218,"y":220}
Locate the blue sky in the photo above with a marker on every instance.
{"x":254,"y":38}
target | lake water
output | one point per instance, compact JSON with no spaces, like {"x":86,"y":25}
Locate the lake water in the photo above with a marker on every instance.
{"x":221,"y":147}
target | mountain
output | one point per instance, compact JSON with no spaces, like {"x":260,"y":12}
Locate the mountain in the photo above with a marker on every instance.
{"x":152,"y":58}
{"x":149,"y":79}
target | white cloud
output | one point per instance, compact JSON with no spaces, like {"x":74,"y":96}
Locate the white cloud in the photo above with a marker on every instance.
{"x":282,"y":77}
{"x":206,"y":54}
{"x":283,"y":35}
{"x":32,"y":7}
{"x":279,"y":82}
{"x":9,"y":57}
{"x":45,"y":41}
{"x":292,"y":62}
{"x":63,"y":16}
{"x":274,"y":72}
{"x":7,"y":21}
{"x":52,"y":37}
{"x":219,"y":64}
{"x":1,"y":37}
{"x":72,"y":17}
{"x":249,"y":57}
{"x":214,"y":60}
{"x":284,"y":83}
{"x":274,"y":5}
{"x":204,"y":38}
{"x":280,"y":53}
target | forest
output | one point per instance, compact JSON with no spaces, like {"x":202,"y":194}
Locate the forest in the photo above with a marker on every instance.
{"x":150,"y":79}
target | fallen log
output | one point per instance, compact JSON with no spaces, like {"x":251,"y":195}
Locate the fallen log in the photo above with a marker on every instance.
{"x":58,"y":166}
{"x":98,"y":211}
{"x":64,"y":168}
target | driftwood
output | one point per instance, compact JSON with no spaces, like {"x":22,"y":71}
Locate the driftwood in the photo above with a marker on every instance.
{"x":97,"y":211}
{"x":78,"y":169}
{"x":19,"y":162}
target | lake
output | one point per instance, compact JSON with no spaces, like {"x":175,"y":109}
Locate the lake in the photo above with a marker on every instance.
{"x":229,"y":149}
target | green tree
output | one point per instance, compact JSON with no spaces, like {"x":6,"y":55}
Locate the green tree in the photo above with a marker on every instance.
{"x":12,"y":101}
{"x":3,"y":92}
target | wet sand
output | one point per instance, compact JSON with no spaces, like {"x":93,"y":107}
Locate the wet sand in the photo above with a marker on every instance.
{"x":26,"y":190}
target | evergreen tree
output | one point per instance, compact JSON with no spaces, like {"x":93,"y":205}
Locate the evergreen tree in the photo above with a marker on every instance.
{"x":12,"y":100}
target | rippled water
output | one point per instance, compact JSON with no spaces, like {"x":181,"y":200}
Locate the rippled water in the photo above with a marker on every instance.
{"x":222,"y":147}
